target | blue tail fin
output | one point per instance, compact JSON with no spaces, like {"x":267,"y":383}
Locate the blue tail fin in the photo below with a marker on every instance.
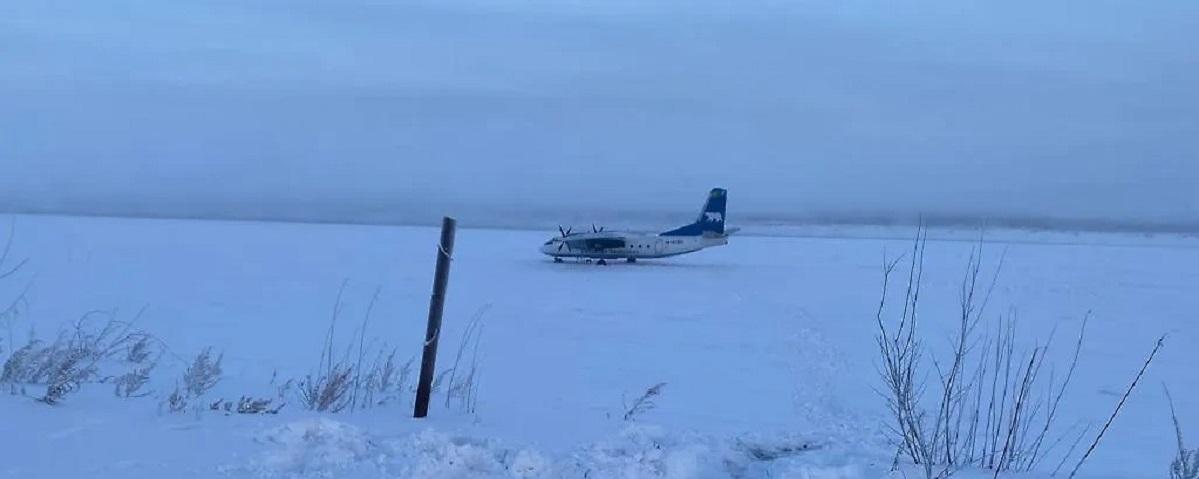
{"x":711,"y":219}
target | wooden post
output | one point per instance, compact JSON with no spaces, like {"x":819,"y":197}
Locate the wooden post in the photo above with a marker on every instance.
{"x":441,"y":277}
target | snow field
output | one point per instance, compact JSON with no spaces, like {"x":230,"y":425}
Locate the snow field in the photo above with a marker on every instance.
{"x":768,"y":340}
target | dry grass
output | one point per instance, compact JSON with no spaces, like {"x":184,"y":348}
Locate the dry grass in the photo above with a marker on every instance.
{"x":644,"y":403}
{"x":246,"y":405}
{"x":203,"y":374}
{"x":348,"y":381}
{"x":98,"y":339}
{"x":1185,"y":464}
{"x":463,"y":381}
{"x":200,"y":377}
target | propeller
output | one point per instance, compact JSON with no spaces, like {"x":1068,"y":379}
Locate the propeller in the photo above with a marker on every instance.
{"x":565,"y":233}
{"x":594,"y":230}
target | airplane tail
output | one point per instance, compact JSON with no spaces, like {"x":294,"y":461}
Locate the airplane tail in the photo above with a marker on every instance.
{"x":711,"y":219}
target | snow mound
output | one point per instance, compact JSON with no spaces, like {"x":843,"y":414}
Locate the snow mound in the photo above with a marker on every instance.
{"x":645,"y":451}
{"x":326,"y":448}
{"x":433,"y":454}
{"x":313,"y":448}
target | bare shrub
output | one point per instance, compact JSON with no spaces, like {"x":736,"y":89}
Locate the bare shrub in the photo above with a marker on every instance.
{"x":12,"y":307}
{"x":993,"y":405}
{"x":644,"y":403}
{"x":1186,"y":463}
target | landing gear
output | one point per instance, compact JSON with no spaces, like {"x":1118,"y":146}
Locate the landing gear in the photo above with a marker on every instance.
{"x":631,"y":260}
{"x":602,"y":262}
{"x":557,"y":259}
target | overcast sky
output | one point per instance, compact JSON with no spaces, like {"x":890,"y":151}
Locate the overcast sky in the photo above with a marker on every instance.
{"x":366,"y":110}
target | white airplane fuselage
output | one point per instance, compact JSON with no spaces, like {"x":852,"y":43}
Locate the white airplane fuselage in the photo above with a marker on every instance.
{"x":636,"y":245}
{"x":705,"y":232}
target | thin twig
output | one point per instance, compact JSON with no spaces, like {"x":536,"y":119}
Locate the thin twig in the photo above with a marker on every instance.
{"x":1160,"y":341}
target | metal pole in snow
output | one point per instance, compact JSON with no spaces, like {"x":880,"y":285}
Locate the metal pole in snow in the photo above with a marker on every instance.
{"x":441,"y":277}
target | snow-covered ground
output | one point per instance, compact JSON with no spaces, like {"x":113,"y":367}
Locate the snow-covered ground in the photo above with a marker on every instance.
{"x":765,"y":344}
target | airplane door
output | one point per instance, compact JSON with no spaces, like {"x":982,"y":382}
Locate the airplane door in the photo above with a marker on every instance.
{"x":658,"y":245}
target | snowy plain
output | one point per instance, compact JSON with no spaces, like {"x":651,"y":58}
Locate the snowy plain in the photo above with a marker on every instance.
{"x":769,"y":340}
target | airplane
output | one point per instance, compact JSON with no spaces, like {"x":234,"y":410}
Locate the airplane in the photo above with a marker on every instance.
{"x":707,"y":231}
